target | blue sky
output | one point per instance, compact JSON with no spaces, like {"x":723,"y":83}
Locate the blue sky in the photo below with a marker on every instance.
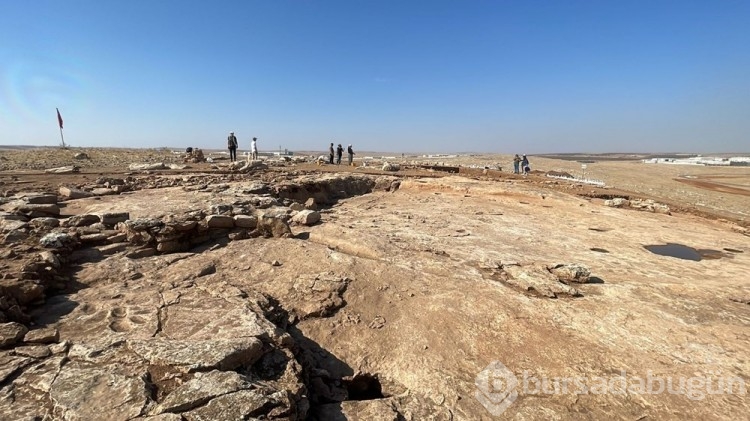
{"x":399,"y":76}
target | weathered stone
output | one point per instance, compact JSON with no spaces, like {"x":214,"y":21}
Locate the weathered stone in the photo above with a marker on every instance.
{"x":371,"y":410}
{"x":538,"y":280}
{"x":11,"y":333}
{"x":112,"y":218}
{"x":183,"y":225}
{"x":58,"y":240}
{"x":572,"y":272}
{"x":387,"y":166}
{"x":81,"y":220}
{"x":70,"y":169}
{"x":13,"y":225}
{"x":93,"y":238}
{"x":199,"y":355}
{"x":44,"y":209}
{"x":172,"y":246}
{"x":40,"y":199}
{"x":10,"y":364}
{"x":310,"y":204}
{"x":245,"y":221}
{"x":306,"y":217}
{"x":108,"y":394}
{"x":240,"y":405}
{"x":103,"y":191}
{"x":220,"y":221}
{"x":33,"y":351}
{"x":44,"y":223}
{"x":617,"y":202}
{"x":25,"y":290}
{"x":201,"y":389}
{"x":143,"y":224}
{"x":15,"y":236}
{"x":147,"y":167}
{"x":72,"y":193}
{"x":273,"y":227}
{"x":296,"y":206}
{"x":50,"y":258}
{"x":42,"y":336}
{"x":117,"y":238}
{"x":324,"y":294}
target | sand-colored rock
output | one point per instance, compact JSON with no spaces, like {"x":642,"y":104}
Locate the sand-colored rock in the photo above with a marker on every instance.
{"x":389,"y":308}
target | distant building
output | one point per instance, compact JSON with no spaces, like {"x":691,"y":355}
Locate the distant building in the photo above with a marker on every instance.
{"x":702,"y":160}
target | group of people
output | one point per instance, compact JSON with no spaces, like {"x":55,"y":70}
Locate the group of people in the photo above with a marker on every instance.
{"x":523,"y":163}
{"x":232,"y":146}
{"x":340,"y":151}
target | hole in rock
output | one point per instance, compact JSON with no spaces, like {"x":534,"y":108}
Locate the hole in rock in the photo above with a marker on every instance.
{"x":599,"y":250}
{"x":684,"y":252}
{"x":599,"y":229}
{"x":731,"y":250}
{"x":364,"y":387}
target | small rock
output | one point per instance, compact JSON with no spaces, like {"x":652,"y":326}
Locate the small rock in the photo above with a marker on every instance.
{"x":275,"y":263}
{"x":617,"y":202}
{"x":40,"y":199}
{"x":44,"y":223}
{"x":245,"y":221}
{"x":306,"y":217}
{"x":81,"y":220}
{"x":114,"y":218}
{"x":11,"y":333}
{"x":219,"y":221}
{"x":377,"y":323}
{"x":72,"y":193}
{"x":42,"y":336}
{"x":310,"y":204}
{"x":572,"y":272}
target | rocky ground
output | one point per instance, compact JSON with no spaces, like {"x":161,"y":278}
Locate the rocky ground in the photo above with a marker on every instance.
{"x":288,"y":290}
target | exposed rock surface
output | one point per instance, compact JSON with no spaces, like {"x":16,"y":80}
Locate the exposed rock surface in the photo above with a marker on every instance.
{"x":385,"y":309}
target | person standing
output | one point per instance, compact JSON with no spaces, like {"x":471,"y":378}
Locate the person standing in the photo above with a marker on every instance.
{"x":350,"y":151}
{"x":330,"y":154}
{"x":339,"y":152}
{"x":516,"y":164}
{"x":525,"y":165}
{"x":254,"y":148}
{"x":232,"y":146}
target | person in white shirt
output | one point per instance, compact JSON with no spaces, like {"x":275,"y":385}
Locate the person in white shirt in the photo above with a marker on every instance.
{"x":254,"y":149}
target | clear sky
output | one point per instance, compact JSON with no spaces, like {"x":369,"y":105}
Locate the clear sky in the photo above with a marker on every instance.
{"x":384,"y":75}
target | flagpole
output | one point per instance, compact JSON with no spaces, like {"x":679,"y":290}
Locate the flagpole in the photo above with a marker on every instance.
{"x":62,"y":138}
{"x":60,"y":123}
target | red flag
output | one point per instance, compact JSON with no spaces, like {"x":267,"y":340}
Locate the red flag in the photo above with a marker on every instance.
{"x":59,"y":118}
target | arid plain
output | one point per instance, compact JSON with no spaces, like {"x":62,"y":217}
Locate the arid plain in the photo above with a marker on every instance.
{"x":284,"y":289}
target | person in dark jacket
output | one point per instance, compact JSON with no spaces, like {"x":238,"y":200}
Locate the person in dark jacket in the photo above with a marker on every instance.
{"x":339,"y":152}
{"x":525,"y":165}
{"x":350,"y":151}
{"x":232,"y":146}
{"x":330,"y":154}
